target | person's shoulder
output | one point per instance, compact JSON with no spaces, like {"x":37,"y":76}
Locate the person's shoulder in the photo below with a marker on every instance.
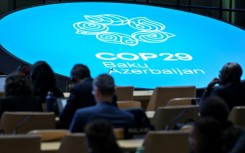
{"x":129,"y":117}
{"x":85,"y":113}
{"x":87,"y":82}
{"x":126,"y":113}
{"x":87,"y":110}
{"x":82,"y":86}
{"x":235,"y":87}
{"x":88,"y":79}
{"x":76,"y":88}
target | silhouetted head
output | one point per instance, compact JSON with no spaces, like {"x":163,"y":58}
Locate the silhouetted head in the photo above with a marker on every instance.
{"x":41,"y":73}
{"x":17,"y":85}
{"x":215,"y":107}
{"x":104,"y":87}
{"x":206,"y":136}
{"x":43,"y":79}
{"x":101,"y":138}
{"x":231,"y":72}
{"x":79,"y":72}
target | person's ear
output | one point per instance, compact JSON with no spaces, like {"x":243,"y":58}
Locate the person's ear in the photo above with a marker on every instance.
{"x":96,"y":92}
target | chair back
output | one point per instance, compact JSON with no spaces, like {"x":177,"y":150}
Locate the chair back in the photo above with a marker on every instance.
{"x":124,"y":93}
{"x":50,"y":134}
{"x":162,"y":95}
{"x":20,"y":143}
{"x":128,"y":104}
{"x":183,"y":101}
{"x":166,"y":142}
{"x":166,"y":118}
{"x":237,"y":115}
{"x":73,"y":143}
{"x":23,"y":122}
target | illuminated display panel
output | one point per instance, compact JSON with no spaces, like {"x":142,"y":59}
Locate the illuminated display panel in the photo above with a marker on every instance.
{"x":139,"y":45}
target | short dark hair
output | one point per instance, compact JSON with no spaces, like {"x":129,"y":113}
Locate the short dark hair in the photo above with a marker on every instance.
{"x":17,"y":85}
{"x":206,"y":135}
{"x":105,"y":84}
{"x":80,"y":71}
{"x":215,"y":107}
{"x":101,"y":138}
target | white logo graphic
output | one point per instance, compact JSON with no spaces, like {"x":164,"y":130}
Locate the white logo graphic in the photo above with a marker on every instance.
{"x":148,"y":31}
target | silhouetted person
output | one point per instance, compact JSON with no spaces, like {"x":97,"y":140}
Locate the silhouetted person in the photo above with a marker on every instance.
{"x":43,"y":80}
{"x":19,"y":95}
{"x":216,"y":108}
{"x":100,"y":138}
{"x":80,"y":93}
{"x":104,"y":90}
{"x":229,"y":86}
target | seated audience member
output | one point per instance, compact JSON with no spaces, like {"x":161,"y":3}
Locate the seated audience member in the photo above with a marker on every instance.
{"x":43,"y":80}
{"x":206,"y":136}
{"x":104,"y":89}
{"x":80,"y":93}
{"x":215,"y":107}
{"x":100,"y":138}
{"x":19,"y":95}
{"x":229,"y":86}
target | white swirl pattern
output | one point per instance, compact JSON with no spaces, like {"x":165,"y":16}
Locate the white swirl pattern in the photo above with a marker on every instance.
{"x":152,"y":36}
{"x":148,"y":31}
{"x":117,"y":38}
{"x":144,"y":24}
{"x":90,"y":28}
{"x":107,"y":19}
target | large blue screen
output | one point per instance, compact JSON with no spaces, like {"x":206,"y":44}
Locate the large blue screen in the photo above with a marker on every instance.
{"x":139,"y":45}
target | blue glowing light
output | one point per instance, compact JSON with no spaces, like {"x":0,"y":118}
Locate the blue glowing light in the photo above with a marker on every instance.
{"x":146,"y":46}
